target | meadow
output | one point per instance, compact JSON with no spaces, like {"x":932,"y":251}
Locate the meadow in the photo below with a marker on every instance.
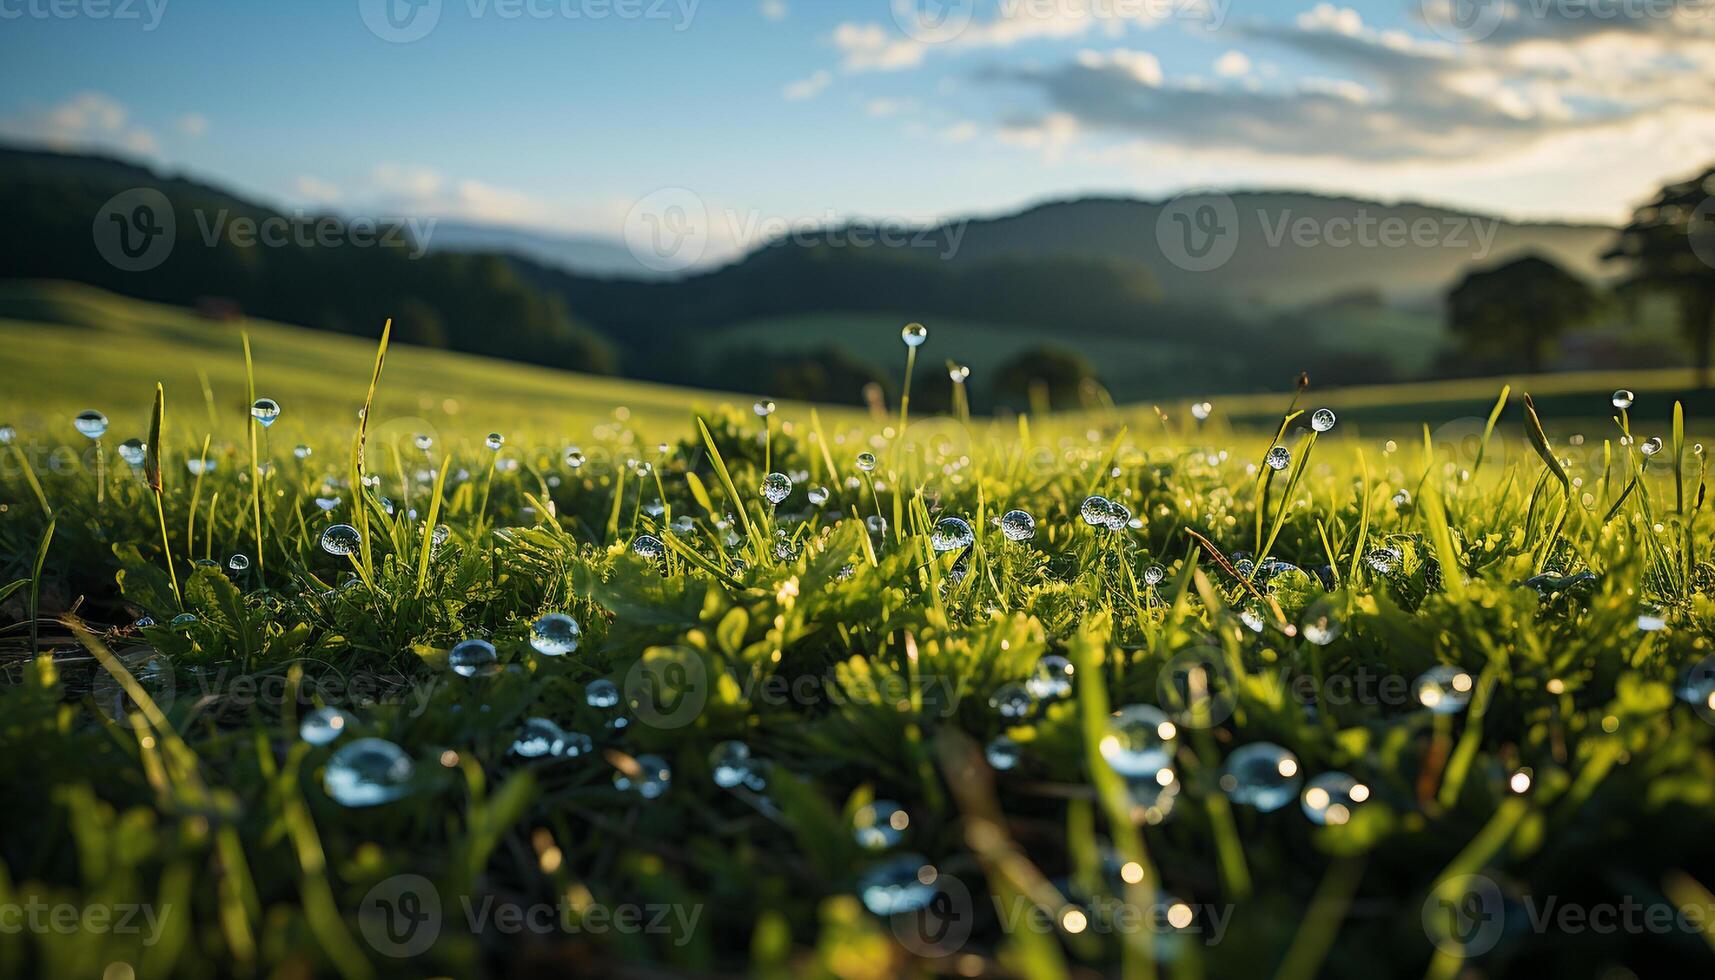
{"x":325,"y":658}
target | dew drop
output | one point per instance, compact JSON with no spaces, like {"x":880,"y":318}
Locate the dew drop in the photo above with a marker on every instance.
{"x":1623,"y":399}
{"x":133,"y":451}
{"x":1018,"y":525}
{"x":341,"y":539}
{"x":648,"y":546}
{"x":555,"y":635}
{"x":1261,"y":775}
{"x":265,"y":411}
{"x":1138,"y":740}
{"x":651,"y":783}
{"x":951,"y":534}
{"x":866,"y":462}
{"x":880,"y":825}
{"x":91,"y":423}
{"x":776,"y":487}
{"x":368,"y":772}
{"x":1444,"y":689}
{"x":1322,"y":420}
{"x":1278,"y":458}
{"x":914,"y":334}
{"x":474,"y":658}
{"x":323,"y":725}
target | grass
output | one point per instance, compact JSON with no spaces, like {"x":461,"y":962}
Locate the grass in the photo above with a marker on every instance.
{"x":157,"y":773}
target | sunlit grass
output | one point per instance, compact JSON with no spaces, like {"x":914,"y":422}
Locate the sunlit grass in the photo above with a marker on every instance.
{"x":1485,"y":632}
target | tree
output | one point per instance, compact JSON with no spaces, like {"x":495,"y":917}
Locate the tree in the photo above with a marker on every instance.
{"x":1522,"y":305}
{"x":1670,"y":249}
{"x":1054,"y":372}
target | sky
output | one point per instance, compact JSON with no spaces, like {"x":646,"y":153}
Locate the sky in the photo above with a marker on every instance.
{"x":564,"y":115}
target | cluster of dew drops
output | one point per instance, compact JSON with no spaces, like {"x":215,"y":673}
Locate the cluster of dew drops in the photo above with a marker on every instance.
{"x":1138,"y":740}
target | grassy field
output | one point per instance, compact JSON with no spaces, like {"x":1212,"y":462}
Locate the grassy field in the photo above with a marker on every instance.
{"x":1390,"y":709}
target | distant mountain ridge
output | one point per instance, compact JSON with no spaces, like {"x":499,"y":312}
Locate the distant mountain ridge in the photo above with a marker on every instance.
{"x":1217,"y":292}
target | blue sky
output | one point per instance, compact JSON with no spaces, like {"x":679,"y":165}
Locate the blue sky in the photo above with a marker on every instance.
{"x":562,"y":114}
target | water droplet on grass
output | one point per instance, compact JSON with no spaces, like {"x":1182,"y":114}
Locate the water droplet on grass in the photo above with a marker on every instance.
{"x":1321,"y":624}
{"x":880,"y":825}
{"x":200,"y":467}
{"x":341,"y":539}
{"x":898,"y":885}
{"x":776,"y":487}
{"x":601,"y":693}
{"x":1012,"y":701}
{"x":1003,"y":753}
{"x":1201,"y":411}
{"x":1623,"y":398}
{"x":763,"y":409}
{"x":731,"y":764}
{"x":1052,"y":679}
{"x":133,"y":451}
{"x":8,"y":435}
{"x":555,"y":635}
{"x":474,"y":658}
{"x":1650,"y":446}
{"x":238,"y":563}
{"x":651,"y":783}
{"x":323,"y":725}
{"x":914,"y":334}
{"x":1138,"y":741}
{"x":1322,"y":420}
{"x":302,"y":451}
{"x":91,"y":423}
{"x":1153,"y":574}
{"x":265,"y":411}
{"x":959,"y":373}
{"x":1094,"y":511}
{"x":183,"y":621}
{"x":1278,"y":458}
{"x":494,"y":441}
{"x":951,"y":534}
{"x":1261,"y":775}
{"x":648,"y":546}
{"x":368,"y":772}
{"x":866,"y":462}
{"x":1331,"y":798}
{"x":575,"y":458}
{"x":1018,"y":525}
{"x":1444,"y":689}
{"x":818,"y":495}
{"x":538,"y":737}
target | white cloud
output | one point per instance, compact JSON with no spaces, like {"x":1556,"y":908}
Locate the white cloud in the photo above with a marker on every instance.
{"x":85,"y":121}
{"x":1233,"y":64}
{"x":773,"y":9}
{"x":807,"y":88}
{"x":315,"y":190}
